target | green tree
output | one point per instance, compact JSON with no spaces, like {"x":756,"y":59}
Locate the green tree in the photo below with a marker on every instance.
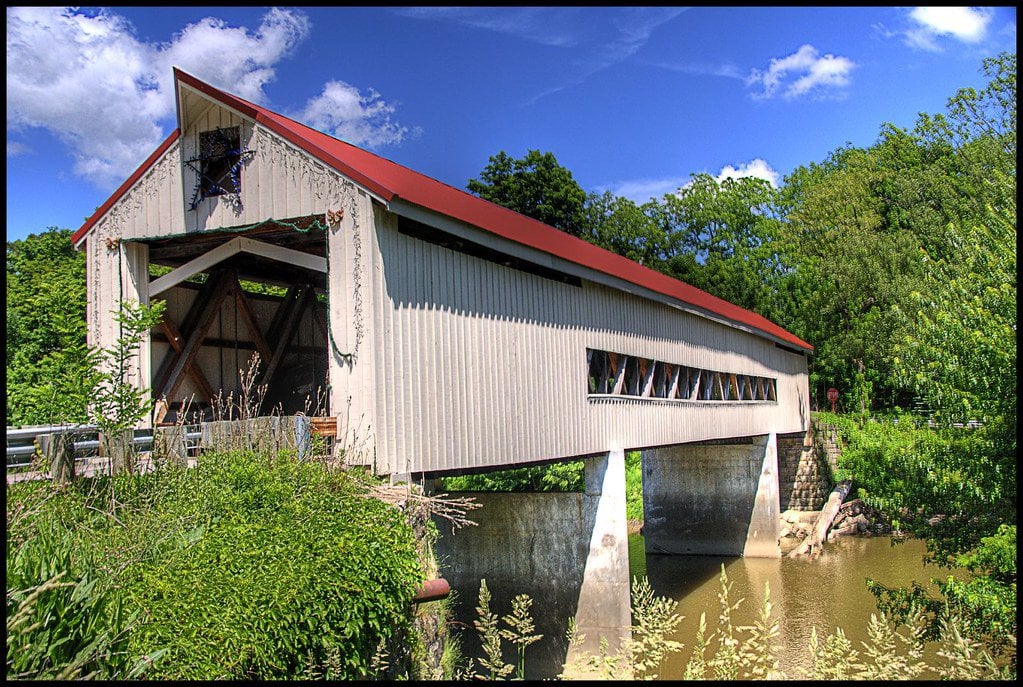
{"x":119,"y":401}
{"x":536,"y":186}
{"x":957,"y":352}
{"x":620,"y":226}
{"x":852,"y":268}
{"x":721,"y":236}
{"x":48,"y":365}
{"x":537,"y":478}
{"x":862,"y":227}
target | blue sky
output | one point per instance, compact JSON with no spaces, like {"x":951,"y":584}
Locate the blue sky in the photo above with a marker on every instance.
{"x":631,"y":100}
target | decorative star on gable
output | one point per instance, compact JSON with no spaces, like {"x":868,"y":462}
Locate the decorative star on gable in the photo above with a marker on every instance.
{"x":218,"y":166}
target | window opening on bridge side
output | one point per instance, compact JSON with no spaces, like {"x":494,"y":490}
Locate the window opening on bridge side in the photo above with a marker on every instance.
{"x":692,"y":383}
{"x":706,"y":389}
{"x":749,"y":387}
{"x":660,"y":380}
{"x":675,"y":378}
{"x":646,"y":376}
{"x":601,"y":376}
{"x":430,"y":234}
{"x":632,"y":376}
{"x":717,"y":387}
{"x":619,"y":374}
{"x":218,"y":166}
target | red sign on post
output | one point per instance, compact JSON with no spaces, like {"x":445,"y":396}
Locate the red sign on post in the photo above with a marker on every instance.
{"x":832,"y":396}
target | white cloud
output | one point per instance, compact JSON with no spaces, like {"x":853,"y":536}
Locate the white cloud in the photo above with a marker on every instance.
{"x":233,"y":58}
{"x":15,"y":148}
{"x":755,"y":168}
{"x":362,"y":120}
{"x":725,"y":69}
{"x":544,"y":25}
{"x":592,"y":38}
{"x":106,"y":95}
{"x":635,"y":25}
{"x":804,"y":72}
{"x":84,"y":78}
{"x":642,"y":190}
{"x":967,"y":24}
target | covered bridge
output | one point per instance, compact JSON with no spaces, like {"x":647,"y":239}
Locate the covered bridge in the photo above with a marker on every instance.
{"x":452,"y":334}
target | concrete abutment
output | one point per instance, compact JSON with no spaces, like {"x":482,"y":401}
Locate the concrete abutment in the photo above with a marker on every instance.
{"x":567,"y":551}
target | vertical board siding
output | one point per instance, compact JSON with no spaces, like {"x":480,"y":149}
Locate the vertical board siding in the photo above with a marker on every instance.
{"x":456,"y":362}
{"x":277,"y":182}
{"x":152,"y":206}
{"x":481,"y":365}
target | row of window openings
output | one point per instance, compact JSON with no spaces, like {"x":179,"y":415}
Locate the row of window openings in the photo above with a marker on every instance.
{"x":618,"y":374}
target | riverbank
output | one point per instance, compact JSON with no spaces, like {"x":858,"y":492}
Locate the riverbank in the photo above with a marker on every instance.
{"x":853,"y":520}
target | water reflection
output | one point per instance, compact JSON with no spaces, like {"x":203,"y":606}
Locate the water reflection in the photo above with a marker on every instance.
{"x":825,"y":593}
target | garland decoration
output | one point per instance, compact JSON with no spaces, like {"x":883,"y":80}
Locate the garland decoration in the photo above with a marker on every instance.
{"x":220,"y":155}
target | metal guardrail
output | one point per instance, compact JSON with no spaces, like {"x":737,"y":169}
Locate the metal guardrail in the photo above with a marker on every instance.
{"x":25,"y":444}
{"x":22,"y":442}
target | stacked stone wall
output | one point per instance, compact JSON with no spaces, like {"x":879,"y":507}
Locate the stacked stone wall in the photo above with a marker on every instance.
{"x":806,"y":467}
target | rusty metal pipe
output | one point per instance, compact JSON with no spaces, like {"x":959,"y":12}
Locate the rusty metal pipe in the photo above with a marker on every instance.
{"x":432,"y":590}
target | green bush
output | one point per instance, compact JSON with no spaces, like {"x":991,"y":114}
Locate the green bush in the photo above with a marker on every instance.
{"x":246,"y":566}
{"x":634,"y":485}
{"x":954,"y":487}
{"x":63,"y":620}
{"x":551,"y":477}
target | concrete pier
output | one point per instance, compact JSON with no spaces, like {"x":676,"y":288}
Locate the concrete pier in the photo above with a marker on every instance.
{"x":603,"y":609}
{"x":713,"y":498}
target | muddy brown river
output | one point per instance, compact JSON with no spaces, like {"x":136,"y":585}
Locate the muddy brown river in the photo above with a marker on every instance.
{"x":825,"y":593}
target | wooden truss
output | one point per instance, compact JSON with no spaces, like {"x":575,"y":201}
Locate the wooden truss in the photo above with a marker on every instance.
{"x":617,"y":374}
{"x":222,"y":286}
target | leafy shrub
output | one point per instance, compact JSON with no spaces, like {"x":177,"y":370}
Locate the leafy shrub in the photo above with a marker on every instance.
{"x":48,"y":364}
{"x":955,"y":487}
{"x":552,"y":477}
{"x":634,"y":485}
{"x":63,"y":620}
{"x":247,"y":566}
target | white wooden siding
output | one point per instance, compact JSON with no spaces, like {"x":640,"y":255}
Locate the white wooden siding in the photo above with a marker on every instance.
{"x":278,"y":182}
{"x":439,"y":360}
{"x":475,"y":364}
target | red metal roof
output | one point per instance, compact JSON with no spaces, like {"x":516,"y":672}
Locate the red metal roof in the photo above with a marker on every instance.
{"x":389,"y":180}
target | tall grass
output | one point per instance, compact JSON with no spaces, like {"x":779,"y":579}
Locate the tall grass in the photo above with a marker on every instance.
{"x":893,"y":651}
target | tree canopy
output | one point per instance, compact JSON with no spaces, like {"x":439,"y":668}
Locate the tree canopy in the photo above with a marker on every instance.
{"x":536,"y":186}
{"x":47,"y":357}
